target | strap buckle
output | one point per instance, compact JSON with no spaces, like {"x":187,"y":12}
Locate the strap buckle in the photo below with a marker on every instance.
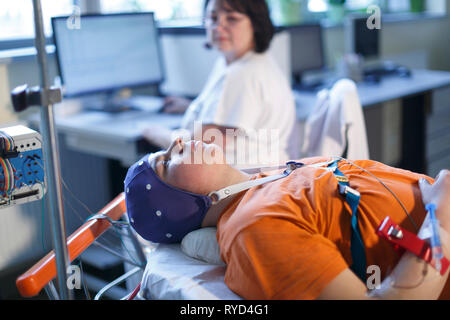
{"x":341,"y":178}
{"x":292,"y":165}
{"x":403,"y":240}
{"x":395,"y":232}
{"x":347,"y":189}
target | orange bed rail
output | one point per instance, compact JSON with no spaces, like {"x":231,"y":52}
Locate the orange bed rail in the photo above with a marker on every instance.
{"x":32,"y":281}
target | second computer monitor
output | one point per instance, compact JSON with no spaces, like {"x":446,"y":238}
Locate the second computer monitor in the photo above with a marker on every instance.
{"x":306,"y":49}
{"x":108,"y":52}
{"x":361,"y":39}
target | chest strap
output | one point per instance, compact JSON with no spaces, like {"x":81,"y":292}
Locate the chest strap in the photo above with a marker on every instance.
{"x":356,"y":244}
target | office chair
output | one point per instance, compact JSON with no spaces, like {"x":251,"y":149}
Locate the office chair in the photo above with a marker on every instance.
{"x":336,"y":125}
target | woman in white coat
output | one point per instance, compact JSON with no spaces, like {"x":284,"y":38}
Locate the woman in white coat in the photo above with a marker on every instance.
{"x":247,"y":105}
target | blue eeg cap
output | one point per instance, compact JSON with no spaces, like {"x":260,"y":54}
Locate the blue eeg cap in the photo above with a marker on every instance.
{"x":157,"y":211}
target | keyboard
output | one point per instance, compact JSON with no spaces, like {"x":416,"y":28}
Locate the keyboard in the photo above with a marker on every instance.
{"x":151,"y":104}
{"x":148,"y":104}
{"x":313,"y":87}
{"x":380,"y":72}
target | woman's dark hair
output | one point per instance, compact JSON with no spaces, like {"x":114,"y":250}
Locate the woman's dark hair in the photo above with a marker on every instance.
{"x":258,"y":12}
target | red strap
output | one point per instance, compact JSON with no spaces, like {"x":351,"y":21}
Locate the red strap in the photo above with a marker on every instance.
{"x":405,"y":240}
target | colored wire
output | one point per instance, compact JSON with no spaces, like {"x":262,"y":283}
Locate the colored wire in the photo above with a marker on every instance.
{"x":9,"y":175}
{"x":6,"y":175}
{"x":3,"y":144}
{"x":7,"y":144}
{"x":7,"y":141}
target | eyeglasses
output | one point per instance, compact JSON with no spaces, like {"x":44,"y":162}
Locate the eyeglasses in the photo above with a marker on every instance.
{"x":224,"y":19}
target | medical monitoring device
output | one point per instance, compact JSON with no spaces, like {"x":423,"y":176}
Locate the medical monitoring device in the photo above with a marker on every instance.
{"x":22,"y":176}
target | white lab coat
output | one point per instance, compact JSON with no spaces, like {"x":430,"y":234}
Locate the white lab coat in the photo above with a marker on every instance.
{"x":251,"y":94}
{"x":337,"y":122}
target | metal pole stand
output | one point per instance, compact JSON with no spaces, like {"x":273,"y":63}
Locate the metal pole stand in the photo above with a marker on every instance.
{"x":22,"y":98}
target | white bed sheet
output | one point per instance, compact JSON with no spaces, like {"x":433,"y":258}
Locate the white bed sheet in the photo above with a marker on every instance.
{"x":172,"y":275}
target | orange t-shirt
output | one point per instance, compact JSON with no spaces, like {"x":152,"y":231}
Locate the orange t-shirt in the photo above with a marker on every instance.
{"x":289,"y":238}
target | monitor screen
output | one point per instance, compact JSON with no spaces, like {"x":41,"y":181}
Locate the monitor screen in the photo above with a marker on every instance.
{"x":306,"y":48}
{"x":107,"y":52}
{"x":365,"y":41}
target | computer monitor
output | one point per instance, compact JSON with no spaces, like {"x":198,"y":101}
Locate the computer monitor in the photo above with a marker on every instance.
{"x":306,"y":50}
{"x":108,"y":53}
{"x":361,"y":39}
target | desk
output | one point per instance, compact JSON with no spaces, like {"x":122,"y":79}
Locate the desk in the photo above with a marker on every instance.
{"x":118,"y":136}
{"x":417,"y":107}
{"x":114,"y":136}
{"x":392,"y":88}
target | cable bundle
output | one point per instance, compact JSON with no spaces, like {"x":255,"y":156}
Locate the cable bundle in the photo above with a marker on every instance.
{"x":6,"y":147}
{"x":6,"y":143}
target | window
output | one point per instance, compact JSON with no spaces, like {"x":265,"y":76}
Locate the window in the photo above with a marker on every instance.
{"x":164,"y":10}
{"x":317,"y":10}
{"x":356,"y":5}
{"x":350,"y":5}
{"x":17,"y":20}
{"x":317,"y":6}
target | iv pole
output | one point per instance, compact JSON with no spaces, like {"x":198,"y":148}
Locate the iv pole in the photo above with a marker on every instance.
{"x":52,"y":163}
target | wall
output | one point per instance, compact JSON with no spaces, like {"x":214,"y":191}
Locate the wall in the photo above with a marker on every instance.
{"x":188,"y":62}
{"x":403,"y":41}
{"x":6,"y":112}
{"x":417,"y":44}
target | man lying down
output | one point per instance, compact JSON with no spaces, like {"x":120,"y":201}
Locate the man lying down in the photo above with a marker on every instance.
{"x":293,"y":237}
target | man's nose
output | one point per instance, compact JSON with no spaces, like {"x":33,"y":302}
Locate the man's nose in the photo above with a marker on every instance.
{"x":177,"y":143}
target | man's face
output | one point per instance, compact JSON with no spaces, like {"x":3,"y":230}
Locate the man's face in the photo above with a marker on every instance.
{"x":193,"y":166}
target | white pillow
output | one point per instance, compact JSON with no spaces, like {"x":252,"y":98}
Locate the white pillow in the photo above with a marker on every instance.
{"x":202,"y":244}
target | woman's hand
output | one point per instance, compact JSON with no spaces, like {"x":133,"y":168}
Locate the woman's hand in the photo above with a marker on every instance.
{"x":175,"y":104}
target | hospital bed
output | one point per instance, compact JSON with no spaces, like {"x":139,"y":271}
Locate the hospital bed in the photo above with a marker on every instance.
{"x":169,"y":273}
